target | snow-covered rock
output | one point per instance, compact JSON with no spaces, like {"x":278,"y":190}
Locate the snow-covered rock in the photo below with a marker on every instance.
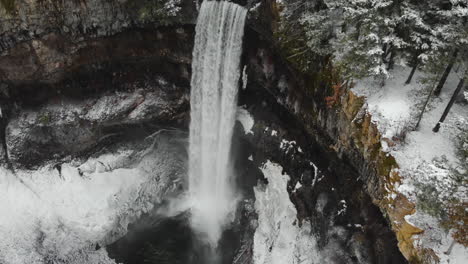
{"x":59,"y":214}
{"x":279,"y":239}
{"x":246,"y":119}
{"x":70,"y":127}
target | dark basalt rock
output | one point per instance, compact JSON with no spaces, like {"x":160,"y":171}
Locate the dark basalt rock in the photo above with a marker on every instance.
{"x":84,"y":20}
{"x":355,"y":227}
{"x":96,"y":65}
{"x":335,"y":201}
{"x":58,"y":60}
{"x":71,"y":127}
{"x":105,"y":89}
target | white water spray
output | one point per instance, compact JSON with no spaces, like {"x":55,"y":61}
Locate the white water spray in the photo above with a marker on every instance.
{"x":215,"y":79}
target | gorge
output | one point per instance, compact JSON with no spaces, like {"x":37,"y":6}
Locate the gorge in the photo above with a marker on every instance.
{"x":180,"y":131}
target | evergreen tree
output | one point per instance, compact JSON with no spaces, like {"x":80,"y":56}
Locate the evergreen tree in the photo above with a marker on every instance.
{"x":449,"y":20}
{"x":417,"y":33}
{"x":294,"y":34}
{"x":365,"y":37}
{"x":369,"y":37}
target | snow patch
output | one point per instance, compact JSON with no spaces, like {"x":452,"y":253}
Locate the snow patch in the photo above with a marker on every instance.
{"x":278,"y":238}
{"x":297,"y":187}
{"x":245,"y":78}
{"x":343,"y":207}
{"x":287,"y":145}
{"x":247,"y":121}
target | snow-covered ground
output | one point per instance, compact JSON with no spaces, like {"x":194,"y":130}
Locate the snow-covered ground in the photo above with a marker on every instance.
{"x":424,"y":157}
{"x":47,"y":217}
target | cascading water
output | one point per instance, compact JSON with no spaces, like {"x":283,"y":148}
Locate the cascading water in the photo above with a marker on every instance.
{"x":215,"y":78}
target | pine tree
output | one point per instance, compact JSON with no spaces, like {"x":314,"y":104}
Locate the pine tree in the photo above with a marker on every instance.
{"x":319,"y":30}
{"x":450,"y":28}
{"x":446,"y":73}
{"x":294,"y":35}
{"x":370,"y":36}
{"x":460,"y":86}
{"x":417,"y":33}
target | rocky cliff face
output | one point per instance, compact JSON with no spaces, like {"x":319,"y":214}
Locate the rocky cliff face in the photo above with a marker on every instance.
{"x":343,"y":128}
{"x":27,"y":20}
{"x":90,"y":69}
{"x":76,"y":76}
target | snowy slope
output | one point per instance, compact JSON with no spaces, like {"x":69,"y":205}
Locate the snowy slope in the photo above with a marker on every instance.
{"x":424,"y":157}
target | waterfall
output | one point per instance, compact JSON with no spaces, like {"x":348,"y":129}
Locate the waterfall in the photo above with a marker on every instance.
{"x":215,"y":79}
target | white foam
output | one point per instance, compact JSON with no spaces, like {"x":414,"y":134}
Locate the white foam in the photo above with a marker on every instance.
{"x":215,"y":79}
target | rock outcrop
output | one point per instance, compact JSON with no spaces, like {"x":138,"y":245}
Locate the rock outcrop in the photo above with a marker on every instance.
{"x":71,"y":127}
{"x":22,"y":21}
{"x":90,"y":70}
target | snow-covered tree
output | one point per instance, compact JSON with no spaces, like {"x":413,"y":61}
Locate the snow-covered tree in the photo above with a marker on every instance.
{"x":299,"y":42}
{"x":162,"y":9}
{"x":417,"y":33}
{"x":369,"y":36}
{"x":452,"y":29}
{"x":365,"y":37}
{"x":320,"y":27}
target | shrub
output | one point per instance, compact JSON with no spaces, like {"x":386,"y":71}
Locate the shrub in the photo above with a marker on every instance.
{"x":457,"y":219}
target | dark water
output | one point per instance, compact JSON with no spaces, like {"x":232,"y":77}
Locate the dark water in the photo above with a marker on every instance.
{"x":154,"y":240}
{"x":158,"y":240}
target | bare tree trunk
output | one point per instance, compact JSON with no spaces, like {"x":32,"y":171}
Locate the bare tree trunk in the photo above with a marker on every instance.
{"x":449,"y":250}
{"x":441,"y":83}
{"x":385,"y":50}
{"x":413,"y":70}
{"x":450,"y":104}
{"x":425,"y":105}
{"x":391,"y":61}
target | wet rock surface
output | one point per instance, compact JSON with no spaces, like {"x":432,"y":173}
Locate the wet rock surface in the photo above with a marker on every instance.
{"x":325,"y":191}
{"x":127,"y":59}
{"x":338,"y":199}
